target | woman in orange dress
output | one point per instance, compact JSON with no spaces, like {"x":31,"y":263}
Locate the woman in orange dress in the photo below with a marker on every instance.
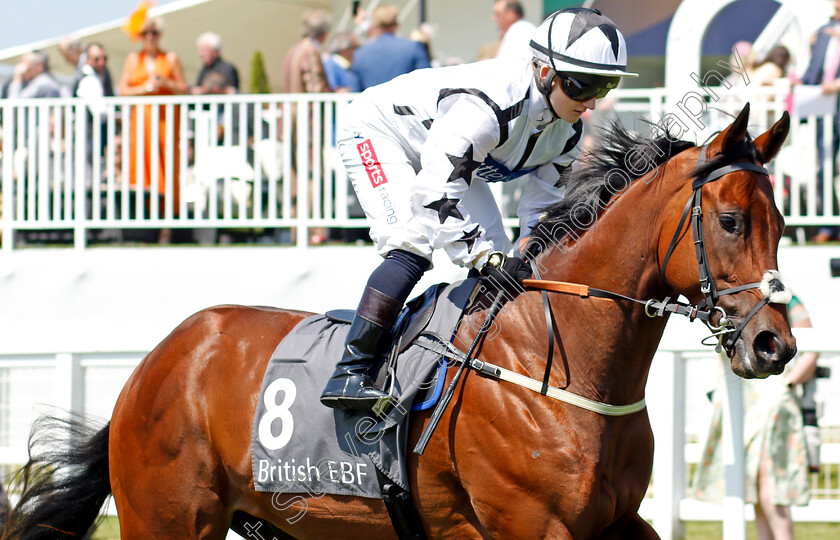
{"x":153,"y":72}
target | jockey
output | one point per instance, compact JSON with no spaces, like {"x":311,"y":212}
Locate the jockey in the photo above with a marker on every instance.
{"x":420,"y":150}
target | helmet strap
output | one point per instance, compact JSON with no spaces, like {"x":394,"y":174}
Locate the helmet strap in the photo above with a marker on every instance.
{"x":544,"y":86}
{"x":544,"y":83}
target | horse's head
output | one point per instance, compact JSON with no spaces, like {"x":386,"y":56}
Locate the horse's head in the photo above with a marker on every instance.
{"x":739,"y":229}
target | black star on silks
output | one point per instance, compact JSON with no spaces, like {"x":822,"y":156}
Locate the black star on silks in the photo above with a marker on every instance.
{"x":586,"y":20}
{"x":562,"y":171}
{"x":470,"y":237}
{"x":446,"y":208}
{"x":464,"y":166}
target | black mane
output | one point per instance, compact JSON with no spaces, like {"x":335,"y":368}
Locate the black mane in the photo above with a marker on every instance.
{"x":603,"y":172}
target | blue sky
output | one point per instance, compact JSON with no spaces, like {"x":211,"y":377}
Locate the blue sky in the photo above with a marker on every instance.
{"x":25,"y":21}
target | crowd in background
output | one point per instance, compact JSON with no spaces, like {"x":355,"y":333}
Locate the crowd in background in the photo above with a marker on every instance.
{"x":323,"y":60}
{"x":326,"y":59}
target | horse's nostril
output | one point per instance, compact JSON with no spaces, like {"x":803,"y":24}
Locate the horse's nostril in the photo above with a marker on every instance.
{"x":771,"y":343}
{"x":765,"y":344}
{"x":770,"y":350}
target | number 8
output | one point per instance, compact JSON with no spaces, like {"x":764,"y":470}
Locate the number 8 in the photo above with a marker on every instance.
{"x":273,"y":411}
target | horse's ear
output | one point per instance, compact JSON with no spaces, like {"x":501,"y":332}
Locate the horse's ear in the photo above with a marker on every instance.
{"x":732,"y":135}
{"x":769,"y":142}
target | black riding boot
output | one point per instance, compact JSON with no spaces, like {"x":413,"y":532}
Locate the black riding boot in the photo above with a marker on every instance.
{"x":351,"y":386}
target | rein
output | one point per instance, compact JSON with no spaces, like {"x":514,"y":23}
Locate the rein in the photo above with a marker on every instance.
{"x":706,"y":309}
{"x":703,"y":311}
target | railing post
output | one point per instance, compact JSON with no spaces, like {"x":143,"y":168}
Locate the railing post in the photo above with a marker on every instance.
{"x":734,"y":524}
{"x":7,"y":162}
{"x":69,"y":385}
{"x":80,"y":218}
{"x":666,"y":406}
{"x":303,"y":170}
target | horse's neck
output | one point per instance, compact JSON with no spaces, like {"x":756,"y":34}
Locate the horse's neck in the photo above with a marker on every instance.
{"x":620,"y":251}
{"x":618,"y":254}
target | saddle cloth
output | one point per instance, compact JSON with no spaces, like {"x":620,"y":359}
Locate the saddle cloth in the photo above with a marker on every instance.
{"x":301,"y":446}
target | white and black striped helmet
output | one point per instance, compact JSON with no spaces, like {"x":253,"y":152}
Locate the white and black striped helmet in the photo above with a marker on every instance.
{"x":581,"y":40}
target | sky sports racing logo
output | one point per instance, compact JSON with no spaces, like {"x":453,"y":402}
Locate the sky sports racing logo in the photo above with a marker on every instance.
{"x":371,"y":163}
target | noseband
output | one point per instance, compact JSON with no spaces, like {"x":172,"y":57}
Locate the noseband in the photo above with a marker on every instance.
{"x":711,"y":294}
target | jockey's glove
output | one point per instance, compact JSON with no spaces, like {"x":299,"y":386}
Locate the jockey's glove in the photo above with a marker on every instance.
{"x":505,"y":272}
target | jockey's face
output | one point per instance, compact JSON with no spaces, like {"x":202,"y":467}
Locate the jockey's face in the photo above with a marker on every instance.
{"x":565,"y":107}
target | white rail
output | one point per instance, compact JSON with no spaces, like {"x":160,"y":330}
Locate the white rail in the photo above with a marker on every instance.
{"x":668,"y":505}
{"x":90,"y":382}
{"x":269,"y":161}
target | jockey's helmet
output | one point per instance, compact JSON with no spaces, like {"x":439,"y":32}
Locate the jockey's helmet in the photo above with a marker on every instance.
{"x":581,"y":40}
{"x":584,"y":49}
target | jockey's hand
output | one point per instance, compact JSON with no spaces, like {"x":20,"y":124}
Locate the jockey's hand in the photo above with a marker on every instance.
{"x":506,"y":272}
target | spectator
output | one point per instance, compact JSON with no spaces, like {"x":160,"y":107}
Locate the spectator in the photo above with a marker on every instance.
{"x":95,"y":84}
{"x":421,"y":149}
{"x":95,"y":81}
{"x":153,"y":72}
{"x":742,"y":55}
{"x":215,"y":83}
{"x":774,"y":442}
{"x":337,"y":60}
{"x":386,"y":56}
{"x":209,"y":51}
{"x":72,"y":50}
{"x":773,"y":68}
{"x":514,"y":31}
{"x":824,"y":69}
{"x":303,"y":68}
{"x":423,"y":36}
{"x":32,"y":78}
{"x":304,"y":71}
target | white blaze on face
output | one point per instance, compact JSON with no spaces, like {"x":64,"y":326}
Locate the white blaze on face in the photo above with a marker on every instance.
{"x":773,"y":287}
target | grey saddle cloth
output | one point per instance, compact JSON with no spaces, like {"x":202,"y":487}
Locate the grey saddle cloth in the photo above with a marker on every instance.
{"x":301,"y":446}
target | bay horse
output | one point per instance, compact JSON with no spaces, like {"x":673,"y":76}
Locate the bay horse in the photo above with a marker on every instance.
{"x":505,"y":461}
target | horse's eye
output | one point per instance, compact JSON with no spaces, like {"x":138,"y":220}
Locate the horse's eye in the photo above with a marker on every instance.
{"x":728,"y":223}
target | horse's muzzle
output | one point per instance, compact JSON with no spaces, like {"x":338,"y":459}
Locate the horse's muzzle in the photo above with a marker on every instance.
{"x":762,"y":355}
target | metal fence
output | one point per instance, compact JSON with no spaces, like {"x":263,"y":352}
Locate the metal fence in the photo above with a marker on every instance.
{"x":269,"y":161}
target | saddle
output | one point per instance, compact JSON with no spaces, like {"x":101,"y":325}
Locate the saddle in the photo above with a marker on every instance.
{"x":412,"y":320}
{"x":302,"y":446}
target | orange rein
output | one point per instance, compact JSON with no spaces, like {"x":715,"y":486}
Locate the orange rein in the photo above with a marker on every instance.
{"x":556,"y":286}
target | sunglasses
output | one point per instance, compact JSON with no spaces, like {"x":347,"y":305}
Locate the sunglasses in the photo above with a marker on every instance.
{"x":99,"y":58}
{"x":150,"y":33}
{"x":585,"y":86}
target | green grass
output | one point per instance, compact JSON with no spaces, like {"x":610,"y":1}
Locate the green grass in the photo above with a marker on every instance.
{"x":108,"y":529}
{"x":712,"y":530}
{"x":694,"y":530}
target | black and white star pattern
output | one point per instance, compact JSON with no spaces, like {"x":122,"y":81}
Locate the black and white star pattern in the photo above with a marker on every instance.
{"x":464,"y":166}
{"x":586,"y":20}
{"x":445,"y":208}
{"x":562,"y":171}
{"x":470,"y":237}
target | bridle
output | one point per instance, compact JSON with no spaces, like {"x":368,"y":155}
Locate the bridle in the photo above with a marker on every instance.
{"x":708,"y":306}
{"x":725,"y":332}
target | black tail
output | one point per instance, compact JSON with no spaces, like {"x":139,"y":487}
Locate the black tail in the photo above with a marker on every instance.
{"x":64,"y":483}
